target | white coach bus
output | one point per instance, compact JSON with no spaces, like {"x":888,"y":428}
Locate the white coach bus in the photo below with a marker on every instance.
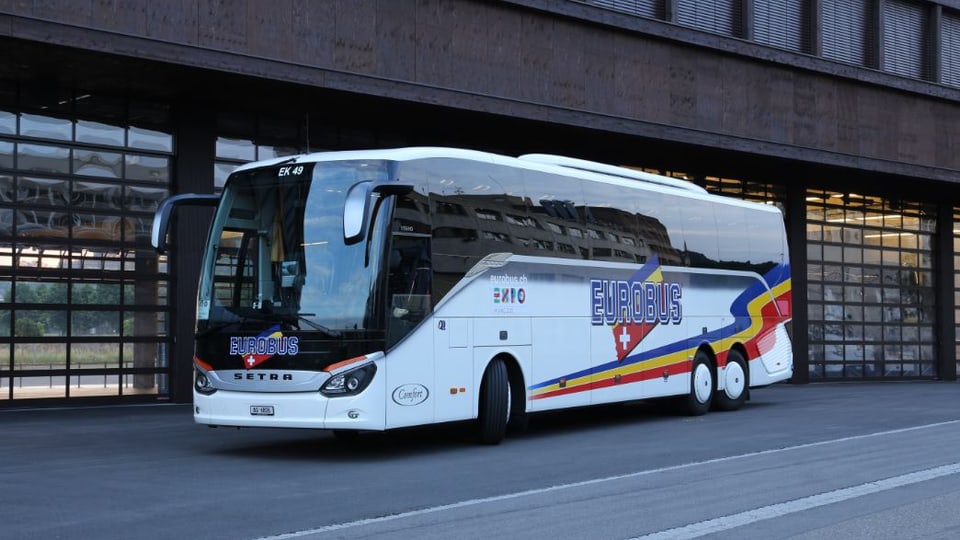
{"x":378,"y":289}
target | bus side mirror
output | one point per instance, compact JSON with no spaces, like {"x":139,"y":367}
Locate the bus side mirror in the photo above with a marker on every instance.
{"x":355,"y":213}
{"x":355,"y":207}
{"x":161,"y":218}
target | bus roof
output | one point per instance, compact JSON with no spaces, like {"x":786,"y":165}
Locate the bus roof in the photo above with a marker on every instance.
{"x":571,"y":167}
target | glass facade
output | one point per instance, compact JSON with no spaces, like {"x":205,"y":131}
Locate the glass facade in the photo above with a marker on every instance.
{"x":84,"y":299}
{"x":750,"y":191}
{"x":871,"y":297}
{"x":245,"y":138}
{"x":871,"y":300}
{"x":83,"y":296}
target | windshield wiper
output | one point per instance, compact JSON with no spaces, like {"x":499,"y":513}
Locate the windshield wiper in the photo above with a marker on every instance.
{"x":293,"y":319}
{"x":216,"y":327}
{"x":223,"y":318}
{"x":296,"y":318}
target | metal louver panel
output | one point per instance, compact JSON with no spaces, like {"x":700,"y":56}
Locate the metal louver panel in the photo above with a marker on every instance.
{"x":903,"y":38}
{"x":950,"y":48}
{"x":643,"y":8}
{"x":720,"y":16}
{"x":779,"y":23}
{"x":847,"y":33}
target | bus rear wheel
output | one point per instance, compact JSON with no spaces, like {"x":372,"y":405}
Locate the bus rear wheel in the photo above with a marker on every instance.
{"x":494,"y":408}
{"x":735,"y":383}
{"x":702,"y":386}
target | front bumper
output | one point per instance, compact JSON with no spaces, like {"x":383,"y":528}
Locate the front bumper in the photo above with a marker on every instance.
{"x":306,"y":410}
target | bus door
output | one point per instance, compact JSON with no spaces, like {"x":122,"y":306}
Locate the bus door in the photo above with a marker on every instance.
{"x":409,"y":286}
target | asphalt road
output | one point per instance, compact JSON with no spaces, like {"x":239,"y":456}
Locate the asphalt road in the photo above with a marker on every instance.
{"x":859,"y":460}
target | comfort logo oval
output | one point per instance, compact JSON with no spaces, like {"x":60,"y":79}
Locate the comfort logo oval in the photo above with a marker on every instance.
{"x":409,"y":395}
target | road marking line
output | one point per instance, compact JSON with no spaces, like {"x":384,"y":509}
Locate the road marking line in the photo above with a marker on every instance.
{"x":732,"y":521}
{"x":573,"y":485}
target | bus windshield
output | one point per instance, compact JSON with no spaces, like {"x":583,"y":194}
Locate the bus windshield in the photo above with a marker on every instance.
{"x":279,"y":252}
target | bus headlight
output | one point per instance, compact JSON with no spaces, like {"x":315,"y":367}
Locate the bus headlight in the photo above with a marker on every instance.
{"x":349,"y":383}
{"x":201,"y":383}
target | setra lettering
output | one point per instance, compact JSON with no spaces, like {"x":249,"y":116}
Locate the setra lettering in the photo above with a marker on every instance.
{"x":262,"y":377}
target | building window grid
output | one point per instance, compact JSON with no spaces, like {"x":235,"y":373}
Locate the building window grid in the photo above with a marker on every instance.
{"x":77,"y":317}
{"x":245,"y":138}
{"x":640,"y":8}
{"x":782,"y":23}
{"x":849,"y":30}
{"x":950,"y":48}
{"x":956,"y":279}
{"x":723,"y":17}
{"x":871,"y":299}
{"x":227,"y":160}
{"x":905,"y":38}
{"x":762,"y":192}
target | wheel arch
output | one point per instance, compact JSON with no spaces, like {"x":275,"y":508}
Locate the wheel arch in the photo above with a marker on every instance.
{"x":742,"y":349}
{"x":517,"y":388}
{"x":515,"y":372}
{"x":707,"y":348}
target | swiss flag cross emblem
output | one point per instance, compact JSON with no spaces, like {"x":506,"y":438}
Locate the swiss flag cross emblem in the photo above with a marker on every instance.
{"x":629,"y":335}
{"x":251,"y":361}
{"x":263,"y":347}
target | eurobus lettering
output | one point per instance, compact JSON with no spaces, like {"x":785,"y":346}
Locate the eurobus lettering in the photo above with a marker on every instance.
{"x":614,"y":302}
{"x":379,"y":289}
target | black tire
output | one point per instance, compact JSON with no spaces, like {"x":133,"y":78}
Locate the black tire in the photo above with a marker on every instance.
{"x":736,"y":380}
{"x":702,"y":386}
{"x":494,"y":392}
{"x":517,"y":418}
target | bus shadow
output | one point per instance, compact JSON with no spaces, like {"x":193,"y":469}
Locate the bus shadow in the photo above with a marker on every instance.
{"x":281,"y":444}
{"x":551,"y":423}
{"x":364,"y":447}
{"x":367,"y":447}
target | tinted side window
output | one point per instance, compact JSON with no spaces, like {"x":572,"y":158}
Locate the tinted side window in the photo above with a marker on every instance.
{"x":732,"y":239}
{"x":660,"y":225}
{"x":556,"y":217}
{"x":700,"y":233}
{"x":766,"y":237}
{"x":477,"y":209}
{"x":613,"y":228}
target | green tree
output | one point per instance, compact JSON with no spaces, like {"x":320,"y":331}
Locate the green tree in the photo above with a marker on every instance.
{"x":29,"y":328}
{"x":85,"y":321}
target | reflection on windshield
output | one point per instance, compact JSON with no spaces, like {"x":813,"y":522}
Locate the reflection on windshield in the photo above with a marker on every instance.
{"x":281,"y":254}
{"x":337,"y":283}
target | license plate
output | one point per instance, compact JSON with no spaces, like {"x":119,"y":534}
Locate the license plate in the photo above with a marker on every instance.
{"x":261,"y":410}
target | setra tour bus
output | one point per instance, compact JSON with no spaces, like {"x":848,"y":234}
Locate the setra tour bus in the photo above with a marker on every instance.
{"x":377,"y":289}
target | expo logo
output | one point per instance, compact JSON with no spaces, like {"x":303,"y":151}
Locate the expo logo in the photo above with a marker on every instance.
{"x":509,"y":295}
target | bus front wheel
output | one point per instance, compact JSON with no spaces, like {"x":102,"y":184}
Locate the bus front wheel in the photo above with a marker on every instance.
{"x":517,"y":418}
{"x":494,"y":396}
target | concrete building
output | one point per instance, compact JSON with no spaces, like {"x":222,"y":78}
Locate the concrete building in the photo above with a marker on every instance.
{"x":846,"y":113}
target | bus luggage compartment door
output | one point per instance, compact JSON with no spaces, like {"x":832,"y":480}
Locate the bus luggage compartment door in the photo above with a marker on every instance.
{"x":453,"y":358}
